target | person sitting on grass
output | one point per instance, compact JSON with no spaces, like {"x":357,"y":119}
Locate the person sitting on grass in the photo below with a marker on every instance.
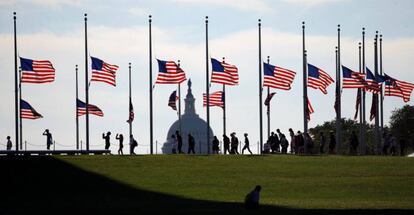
{"x":251,"y":202}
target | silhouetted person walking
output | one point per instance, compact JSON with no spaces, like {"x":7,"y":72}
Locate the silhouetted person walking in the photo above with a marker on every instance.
{"x":191,"y":144}
{"x":292,"y":140}
{"x":215,"y":144}
{"x":226,"y":144}
{"x":284,"y":143}
{"x":332,"y":143}
{"x":246,"y":144}
{"x":300,"y":143}
{"x":322,"y":143}
{"x":132,"y":144}
{"x":107,"y":139}
{"x":234,"y":143}
{"x":179,"y":142}
{"x":274,"y":141}
{"x":49,"y":139}
{"x":120,"y":137}
{"x":251,"y":202}
{"x":9,"y":144}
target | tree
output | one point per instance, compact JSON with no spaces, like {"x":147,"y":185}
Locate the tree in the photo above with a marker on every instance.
{"x":402,"y":123}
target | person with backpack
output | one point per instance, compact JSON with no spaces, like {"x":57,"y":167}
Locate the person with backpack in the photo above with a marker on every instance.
{"x":132,"y":144}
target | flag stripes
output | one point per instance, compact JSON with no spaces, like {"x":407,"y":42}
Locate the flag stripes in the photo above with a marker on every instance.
{"x":310,"y":110}
{"x":37,"y":71}
{"x":277,"y":77}
{"x":352,"y":79}
{"x":216,"y":99}
{"x":402,"y":89}
{"x":103,"y":72}
{"x":268,"y":98}
{"x":27,"y":111}
{"x":357,"y":104}
{"x":169,"y":73}
{"x":172,"y":101}
{"x":224,"y":73}
{"x":318,"y":79}
{"x":81,"y":109}
{"x":131,"y":113}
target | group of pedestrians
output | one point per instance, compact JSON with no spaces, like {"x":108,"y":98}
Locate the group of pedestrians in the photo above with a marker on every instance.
{"x":176,"y":142}
{"x":120,"y":137}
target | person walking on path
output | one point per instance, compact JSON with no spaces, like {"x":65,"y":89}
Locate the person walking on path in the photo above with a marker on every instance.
{"x":49,"y":139}
{"x":215,"y":144}
{"x":132,"y":144}
{"x":246,"y":144}
{"x":292,"y":140}
{"x":120,"y":137}
{"x":284,"y":143}
{"x":107,"y":139}
{"x":191,"y":144}
{"x":9,"y":144}
{"x":226,"y":144}
{"x":234,"y":143}
{"x":179,"y":142}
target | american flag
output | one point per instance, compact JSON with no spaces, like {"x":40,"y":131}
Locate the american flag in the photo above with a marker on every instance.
{"x":268,"y":98}
{"x":173,"y":100}
{"x":169,"y":73}
{"x":37,"y":71}
{"x":27,"y":111}
{"x":402,"y":89}
{"x":131,"y":113}
{"x":103,"y":72}
{"x":216,"y":99}
{"x":277,"y":77}
{"x":352,"y":79}
{"x":374,"y":104}
{"x":358,"y":103}
{"x":310,"y":110}
{"x":318,"y":79}
{"x":372,"y":83}
{"x":81,"y":109}
{"x":224,"y":73}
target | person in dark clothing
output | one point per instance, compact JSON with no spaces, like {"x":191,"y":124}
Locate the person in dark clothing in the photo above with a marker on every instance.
{"x":107,"y":138}
{"x":9,"y":144}
{"x":284,"y":143}
{"x":300,"y":143}
{"x":403,"y":145}
{"x":353,"y":143}
{"x":132,"y":144}
{"x":191,"y":144}
{"x":226,"y":144}
{"x":251,"y":201}
{"x":234,"y":144}
{"x":215,"y":146}
{"x":274,"y":142}
{"x":179,"y":142}
{"x":49,"y":139}
{"x":332,"y":143}
{"x":120,"y":137}
{"x":292,"y":140}
{"x":246,"y":144}
{"x":322,"y":143}
{"x":308,"y":143}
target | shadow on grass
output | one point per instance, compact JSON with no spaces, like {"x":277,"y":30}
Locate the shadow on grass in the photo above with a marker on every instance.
{"x":46,"y":185}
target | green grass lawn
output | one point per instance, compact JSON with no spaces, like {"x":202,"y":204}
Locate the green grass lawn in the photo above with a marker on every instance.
{"x":305,"y":183}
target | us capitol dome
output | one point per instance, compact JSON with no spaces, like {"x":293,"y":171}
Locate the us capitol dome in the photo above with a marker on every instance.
{"x":192,"y":124}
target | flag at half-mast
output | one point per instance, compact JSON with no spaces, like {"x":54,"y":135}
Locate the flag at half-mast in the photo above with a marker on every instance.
{"x":373,"y":83}
{"x":268,"y":98}
{"x":394,"y":87}
{"x":224,"y":73}
{"x":358,"y":103}
{"x":216,"y":99}
{"x":27,"y":111}
{"x":36,"y":71}
{"x":172,"y":101}
{"x":374,"y":104}
{"x":318,"y":79}
{"x":277,"y":77}
{"x":310,"y":110}
{"x":352,"y":79}
{"x":103,"y":72}
{"x":81,"y":109}
{"x":131,"y":113}
{"x":169,"y":73}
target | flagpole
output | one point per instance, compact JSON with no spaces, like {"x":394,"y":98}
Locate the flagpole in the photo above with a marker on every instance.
{"x":338,"y":91}
{"x":179,"y":103}
{"x":207,"y":91}
{"x":305,"y":89}
{"x":361,"y":127}
{"x":377,"y":132}
{"x":76,"y":112}
{"x":16,"y":99}
{"x":150,"y":84}
{"x":260,"y":87}
{"x":363,"y":141}
{"x":224,"y":106}
{"x":86,"y":83}
{"x":381,"y":93}
{"x":20,"y":108}
{"x":268,"y":106}
{"x":130,"y":102}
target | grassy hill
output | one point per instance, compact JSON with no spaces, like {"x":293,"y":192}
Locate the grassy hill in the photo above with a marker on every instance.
{"x":182,"y":184}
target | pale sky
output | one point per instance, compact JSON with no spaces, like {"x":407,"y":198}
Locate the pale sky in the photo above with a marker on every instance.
{"x":118,"y":34}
